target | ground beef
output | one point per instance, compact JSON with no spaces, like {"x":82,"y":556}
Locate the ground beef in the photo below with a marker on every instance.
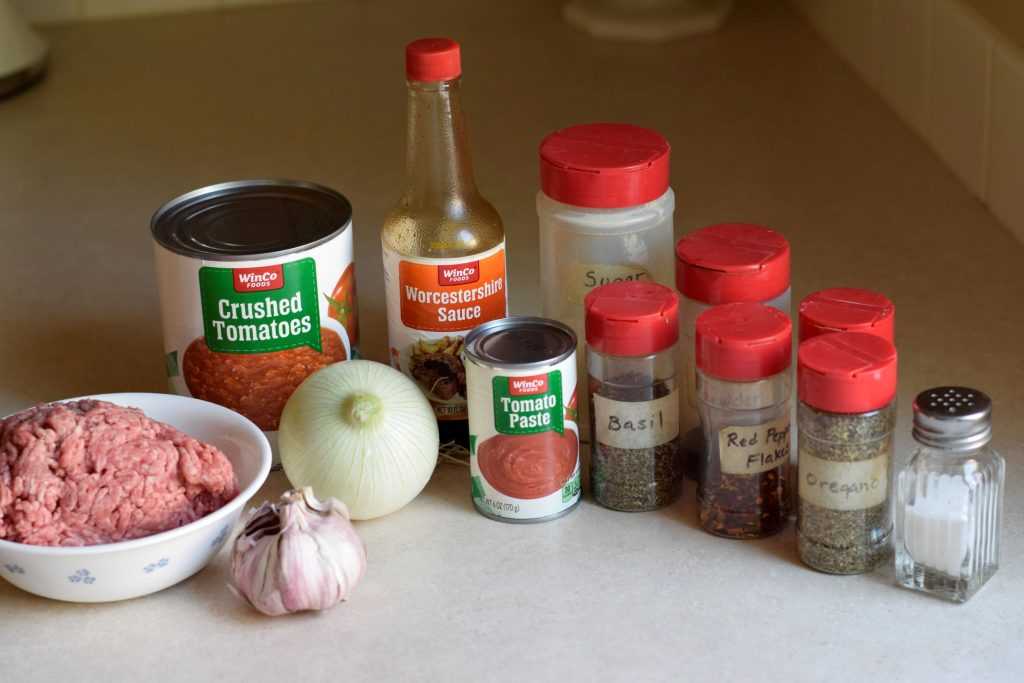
{"x":89,"y":472}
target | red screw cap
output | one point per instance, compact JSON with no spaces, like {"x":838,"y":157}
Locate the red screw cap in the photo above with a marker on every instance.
{"x":743,"y":342}
{"x":631,"y":318}
{"x":732,"y":262}
{"x":604,"y":165}
{"x":846,"y":309}
{"x":846,"y":372}
{"x":432,"y":59}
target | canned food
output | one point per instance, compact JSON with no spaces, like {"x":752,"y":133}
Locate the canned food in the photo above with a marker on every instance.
{"x":524,"y":446}
{"x":257,"y":291}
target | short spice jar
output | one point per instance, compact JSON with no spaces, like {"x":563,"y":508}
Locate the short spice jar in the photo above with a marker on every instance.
{"x":744,"y":385}
{"x":846,"y":384}
{"x":632,"y":330}
{"x":723,"y":264}
{"x":949,"y":497}
{"x":847,"y":309}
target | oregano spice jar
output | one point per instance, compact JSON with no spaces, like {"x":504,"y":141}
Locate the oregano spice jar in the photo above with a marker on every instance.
{"x":632,"y":330}
{"x":743,"y":354}
{"x":846,"y":383}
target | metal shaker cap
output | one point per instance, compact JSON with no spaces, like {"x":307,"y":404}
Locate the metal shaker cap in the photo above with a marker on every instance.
{"x":953,"y":418}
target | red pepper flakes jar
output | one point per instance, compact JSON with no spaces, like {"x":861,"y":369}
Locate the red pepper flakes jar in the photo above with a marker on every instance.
{"x":744,"y":385}
{"x":632,"y":332}
{"x":723,"y":264}
{"x":847,"y":309}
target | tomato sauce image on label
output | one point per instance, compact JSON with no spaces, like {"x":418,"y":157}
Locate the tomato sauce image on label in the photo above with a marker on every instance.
{"x":257,"y":291}
{"x":524,"y":440}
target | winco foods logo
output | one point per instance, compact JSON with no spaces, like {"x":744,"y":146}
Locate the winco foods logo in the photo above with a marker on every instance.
{"x":528,"y":386}
{"x":461,"y":274}
{"x":264,"y":279}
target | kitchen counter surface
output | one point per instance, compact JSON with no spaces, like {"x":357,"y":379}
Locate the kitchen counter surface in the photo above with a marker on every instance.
{"x":767,"y":125}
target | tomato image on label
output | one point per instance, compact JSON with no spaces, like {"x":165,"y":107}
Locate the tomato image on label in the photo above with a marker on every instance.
{"x":341,"y":304}
{"x":530,"y":465}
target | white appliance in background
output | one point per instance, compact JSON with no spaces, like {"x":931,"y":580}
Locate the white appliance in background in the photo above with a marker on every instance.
{"x":22,"y":52}
{"x":646,"y":20}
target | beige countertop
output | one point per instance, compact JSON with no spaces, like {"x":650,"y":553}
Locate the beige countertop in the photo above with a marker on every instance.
{"x":767,"y":125}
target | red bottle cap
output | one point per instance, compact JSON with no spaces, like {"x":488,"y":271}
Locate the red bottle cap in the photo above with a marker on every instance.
{"x":846,"y":372}
{"x":631,"y":318}
{"x":743,"y":342}
{"x":604,"y":165}
{"x":846,"y":309}
{"x":732,"y":262}
{"x":432,"y":59}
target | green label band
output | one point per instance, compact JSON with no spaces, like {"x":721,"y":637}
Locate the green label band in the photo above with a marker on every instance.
{"x":519,"y":409}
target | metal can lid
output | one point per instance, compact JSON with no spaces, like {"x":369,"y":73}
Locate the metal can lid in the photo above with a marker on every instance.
{"x":249,"y":219}
{"x":953,"y":418}
{"x":520,"y":342}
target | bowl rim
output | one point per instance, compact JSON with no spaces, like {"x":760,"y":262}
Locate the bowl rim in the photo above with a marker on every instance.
{"x":226,"y":510}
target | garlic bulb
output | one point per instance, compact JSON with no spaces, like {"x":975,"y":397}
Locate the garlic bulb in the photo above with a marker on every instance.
{"x":300,"y":554}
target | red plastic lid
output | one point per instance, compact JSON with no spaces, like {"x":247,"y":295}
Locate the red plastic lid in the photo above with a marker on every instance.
{"x":432,"y":59}
{"x":732,"y":262}
{"x":604,"y":165}
{"x":846,"y":309}
{"x":743,"y":342}
{"x":846,"y":372}
{"x":631,"y":318}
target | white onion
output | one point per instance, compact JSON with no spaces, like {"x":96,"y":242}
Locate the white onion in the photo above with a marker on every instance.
{"x":361,"y":432}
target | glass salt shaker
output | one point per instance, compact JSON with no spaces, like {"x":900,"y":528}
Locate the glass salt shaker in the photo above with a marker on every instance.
{"x":949,"y":497}
{"x":632,"y":329}
{"x":744,"y":353}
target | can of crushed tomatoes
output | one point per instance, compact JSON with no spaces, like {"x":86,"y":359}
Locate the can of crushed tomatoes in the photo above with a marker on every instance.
{"x":257,"y":291}
{"x":524,"y":445}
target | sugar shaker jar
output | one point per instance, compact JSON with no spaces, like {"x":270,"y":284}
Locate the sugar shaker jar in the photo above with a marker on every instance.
{"x":847,"y":309}
{"x":949,"y":497}
{"x":744,"y":352}
{"x":632,"y":330}
{"x":846,"y":385}
{"x":723,"y":264}
{"x":605,"y":214}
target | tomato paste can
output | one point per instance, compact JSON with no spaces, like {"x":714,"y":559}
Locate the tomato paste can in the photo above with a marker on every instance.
{"x":524,"y":444}
{"x":257,"y":291}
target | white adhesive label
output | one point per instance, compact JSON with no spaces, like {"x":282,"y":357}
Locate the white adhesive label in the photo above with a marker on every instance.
{"x":636,"y":424}
{"x":844,"y":485}
{"x":587,"y":276}
{"x":756,"y":448}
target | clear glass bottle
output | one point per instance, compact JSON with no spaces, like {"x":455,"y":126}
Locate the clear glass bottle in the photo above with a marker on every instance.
{"x":949,"y":497}
{"x":632,"y":330}
{"x":846,"y":383}
{"x":744,"y":386}
{"x":440,"y":222}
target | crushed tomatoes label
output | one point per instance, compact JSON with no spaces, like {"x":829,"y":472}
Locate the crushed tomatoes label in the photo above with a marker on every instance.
{"x":528,"y":405}
{"x":260,"y":309}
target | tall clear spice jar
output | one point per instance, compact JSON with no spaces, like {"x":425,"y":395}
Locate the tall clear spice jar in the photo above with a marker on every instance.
{"x":632,"y":329}
{"x":723,"y":264}
{"x":744,"y":387}
{"x":846,"y":384}
{"x":847,"y":309}
{"x":949,"y":497}
{"x":605,"y":214}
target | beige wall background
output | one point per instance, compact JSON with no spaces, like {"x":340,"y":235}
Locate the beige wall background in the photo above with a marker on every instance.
{"x":72,"y":10}
{"x":1006,"y":16}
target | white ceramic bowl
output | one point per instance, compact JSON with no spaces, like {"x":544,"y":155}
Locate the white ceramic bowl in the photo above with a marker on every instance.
{"x":118,"y":571}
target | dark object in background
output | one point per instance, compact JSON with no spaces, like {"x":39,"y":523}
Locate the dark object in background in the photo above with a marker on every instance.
{"x":23,"y":53}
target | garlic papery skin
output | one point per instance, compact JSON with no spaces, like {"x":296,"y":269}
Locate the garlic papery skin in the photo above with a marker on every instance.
{"x":299,"y":554}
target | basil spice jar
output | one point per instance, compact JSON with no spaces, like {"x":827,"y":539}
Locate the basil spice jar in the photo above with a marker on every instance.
{"x":846,"y":383}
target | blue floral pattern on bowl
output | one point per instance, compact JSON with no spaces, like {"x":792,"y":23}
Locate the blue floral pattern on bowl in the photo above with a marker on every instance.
{"x":221,"y":536}
{"x":159,"y":564}
{"x":14,"y":568}
{"x":82,"y":576}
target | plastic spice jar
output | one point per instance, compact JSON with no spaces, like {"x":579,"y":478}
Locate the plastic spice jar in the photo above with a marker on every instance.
{"x":847,"y":309}
{"x":723,"y":264}
{"x":632,"y":329}
{"x":949,"y":498}
{"x":744,"y":385}
{"x":846,"y":384}
{"x":605,"y":213}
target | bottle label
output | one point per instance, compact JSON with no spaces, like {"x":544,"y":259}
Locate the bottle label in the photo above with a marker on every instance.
{"x":586,"y":276}
{"x":753,"y":449}
{"x":431,"y":305}
{"x":636,"y":424}
{"x":839,"y":485}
